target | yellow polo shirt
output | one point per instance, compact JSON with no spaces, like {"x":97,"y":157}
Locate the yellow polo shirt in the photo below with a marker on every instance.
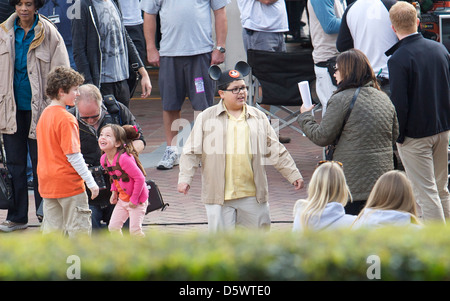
{"x":239,"y":182}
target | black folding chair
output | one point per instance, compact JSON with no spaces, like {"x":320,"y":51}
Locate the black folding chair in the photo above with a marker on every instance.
{"x":279,"y":73}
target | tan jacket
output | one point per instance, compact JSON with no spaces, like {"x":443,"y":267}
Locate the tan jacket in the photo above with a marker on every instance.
{"x":207,"y":144}
{"x":47,"y":51}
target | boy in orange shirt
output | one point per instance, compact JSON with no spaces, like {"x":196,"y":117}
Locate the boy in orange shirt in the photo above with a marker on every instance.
{"x":61,"y":168}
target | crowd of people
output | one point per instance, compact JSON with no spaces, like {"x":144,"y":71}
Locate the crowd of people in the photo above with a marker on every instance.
{"x":69,"y":74}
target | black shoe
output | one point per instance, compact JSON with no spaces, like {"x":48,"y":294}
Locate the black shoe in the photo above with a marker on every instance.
{"x":284,"y":139}
{"x":30,"y":185}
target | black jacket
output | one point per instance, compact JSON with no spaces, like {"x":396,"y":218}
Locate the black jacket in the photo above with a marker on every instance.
{"x":419,"y":74}
{"x":89,"y":141}
{"x":86,"y":43}
{"x":5,"y":10}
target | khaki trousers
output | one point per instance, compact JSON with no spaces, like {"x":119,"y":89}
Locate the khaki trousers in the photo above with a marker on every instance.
{"x":426,"y":165}
{"x":69,"y":215}
{"x":245,"y":212}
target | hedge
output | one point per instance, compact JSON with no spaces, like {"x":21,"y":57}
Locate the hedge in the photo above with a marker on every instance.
{"x":386,"y":254}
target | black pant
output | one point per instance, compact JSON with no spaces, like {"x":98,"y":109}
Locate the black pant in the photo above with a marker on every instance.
{"x":16,"y":148}
{"x":136,"y":33}
{"x":120,"y":90}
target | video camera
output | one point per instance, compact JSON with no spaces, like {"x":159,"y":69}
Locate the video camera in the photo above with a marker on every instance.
{"x":434,"y":19}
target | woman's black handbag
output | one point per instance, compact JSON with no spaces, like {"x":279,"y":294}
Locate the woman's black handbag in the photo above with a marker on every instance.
{"x":6,"y":183}
{"x":155,"y":200}
{"x":329,"y":150}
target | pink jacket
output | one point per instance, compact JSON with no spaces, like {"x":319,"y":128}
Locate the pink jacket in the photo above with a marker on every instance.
{"x":136,"y":188}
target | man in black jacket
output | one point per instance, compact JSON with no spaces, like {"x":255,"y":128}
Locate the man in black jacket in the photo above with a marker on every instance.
{"x":103,"y":50}
{"x":5,"y":10}
{"x":419,"y":74}
{"x":92,"y":113}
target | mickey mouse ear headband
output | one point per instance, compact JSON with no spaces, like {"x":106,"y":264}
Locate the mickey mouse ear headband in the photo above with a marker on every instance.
{"x":241,"y":69}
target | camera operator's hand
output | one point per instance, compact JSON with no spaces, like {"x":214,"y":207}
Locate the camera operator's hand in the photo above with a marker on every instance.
{"x":94,"y":191}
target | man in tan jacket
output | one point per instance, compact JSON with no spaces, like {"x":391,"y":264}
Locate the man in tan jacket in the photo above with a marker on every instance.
{"x":233,"y":142}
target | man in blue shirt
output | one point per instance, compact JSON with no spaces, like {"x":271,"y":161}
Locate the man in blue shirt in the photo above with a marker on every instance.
{"x":57,"y":12}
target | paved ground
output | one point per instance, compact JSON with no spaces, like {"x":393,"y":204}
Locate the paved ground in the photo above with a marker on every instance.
{"x":187,"y":213}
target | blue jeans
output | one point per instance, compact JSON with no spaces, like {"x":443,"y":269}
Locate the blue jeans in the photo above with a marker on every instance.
{"x":72,"y":61}
{"x":102,"y":213}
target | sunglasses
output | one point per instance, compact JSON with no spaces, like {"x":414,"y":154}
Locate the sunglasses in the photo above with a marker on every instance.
{"x":330,"y":161}
{"x":90,"y":117}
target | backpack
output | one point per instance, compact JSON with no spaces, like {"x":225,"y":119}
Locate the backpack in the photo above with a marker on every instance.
{"x":113,"y":108}
{"x":155,"y":199}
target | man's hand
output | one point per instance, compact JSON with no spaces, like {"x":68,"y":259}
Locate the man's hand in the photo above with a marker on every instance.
{"x":146,"y":84}
{"x":217,"y":57}
{"x":153,"y":57}
{"x":298,"y":184}
{"x":183,"y":188}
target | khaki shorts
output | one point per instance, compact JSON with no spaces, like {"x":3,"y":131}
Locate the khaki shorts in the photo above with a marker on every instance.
{"x":69,"y":215}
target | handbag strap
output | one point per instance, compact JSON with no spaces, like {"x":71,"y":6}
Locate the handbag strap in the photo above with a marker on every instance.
{"x":3,"y":152}
{"x":350,"y":108}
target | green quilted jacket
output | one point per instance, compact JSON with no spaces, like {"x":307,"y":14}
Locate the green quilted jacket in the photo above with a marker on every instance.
{"x":366,"y":144}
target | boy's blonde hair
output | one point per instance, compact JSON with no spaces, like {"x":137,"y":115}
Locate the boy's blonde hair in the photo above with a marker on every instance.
{"x":393,"y":191}
{"x":403,"y":17}
{"x":327,"y":185}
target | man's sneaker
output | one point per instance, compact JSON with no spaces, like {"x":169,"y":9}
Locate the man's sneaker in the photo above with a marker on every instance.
{"x":169,"y":160}
{"x":9,"y":226}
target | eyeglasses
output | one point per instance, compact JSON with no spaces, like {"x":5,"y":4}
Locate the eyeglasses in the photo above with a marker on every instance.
{"x":330,"y":161}
{"x":336,"y":69}
{"x":90,"y":117}
{"x":237,"y":90}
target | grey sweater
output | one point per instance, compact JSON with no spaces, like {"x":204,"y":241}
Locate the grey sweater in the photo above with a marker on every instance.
{"x":366,"y":144}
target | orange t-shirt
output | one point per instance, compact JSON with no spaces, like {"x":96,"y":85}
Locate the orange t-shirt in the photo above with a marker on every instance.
{"x":57,"y":136}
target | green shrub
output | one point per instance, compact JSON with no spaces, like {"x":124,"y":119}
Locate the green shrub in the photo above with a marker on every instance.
{"x":404,"y":254}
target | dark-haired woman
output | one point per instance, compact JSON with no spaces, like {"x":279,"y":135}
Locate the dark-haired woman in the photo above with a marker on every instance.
{"x":30,"y":46}
{"x":365,"y":145}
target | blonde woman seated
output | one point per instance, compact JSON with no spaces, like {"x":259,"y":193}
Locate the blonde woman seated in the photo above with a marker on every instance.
{"x":391,"y":202}
{"x":328,"y":193}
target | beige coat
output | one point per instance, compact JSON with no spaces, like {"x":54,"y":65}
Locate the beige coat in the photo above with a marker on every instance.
{"x":207,"y":144}
{"x":47,"y":51}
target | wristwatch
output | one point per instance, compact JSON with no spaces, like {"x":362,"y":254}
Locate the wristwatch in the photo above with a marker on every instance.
{"x":221,"y":49}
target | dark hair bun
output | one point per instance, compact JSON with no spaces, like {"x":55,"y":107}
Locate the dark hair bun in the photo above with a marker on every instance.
{"x":132,"y":131}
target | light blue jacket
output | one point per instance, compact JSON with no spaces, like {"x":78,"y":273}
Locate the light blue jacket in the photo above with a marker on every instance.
{"x":332,"y":217}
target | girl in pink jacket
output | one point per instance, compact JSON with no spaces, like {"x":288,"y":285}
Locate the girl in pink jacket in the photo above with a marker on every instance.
{"x":129,"y":191}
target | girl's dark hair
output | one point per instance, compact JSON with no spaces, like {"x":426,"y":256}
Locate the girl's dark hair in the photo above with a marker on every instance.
{"x":355,"y":70}
{"x":37,"y":3}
